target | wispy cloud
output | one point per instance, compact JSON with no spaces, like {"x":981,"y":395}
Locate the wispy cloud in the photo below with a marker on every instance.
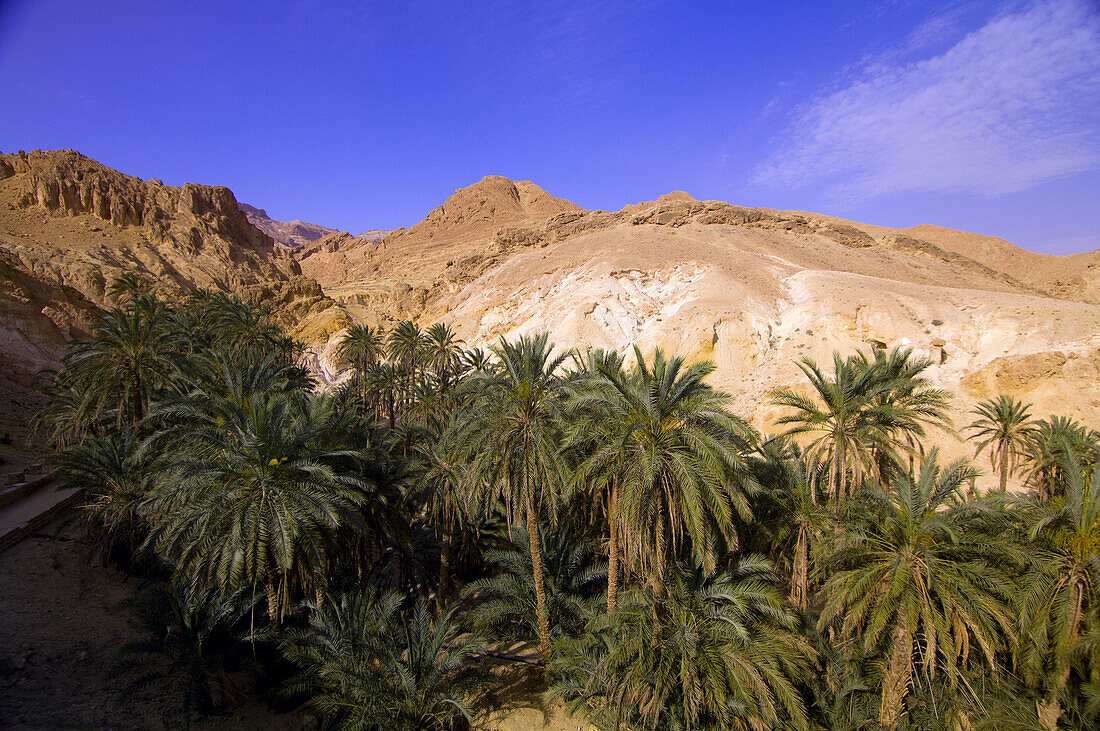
{"x":1008,"y":106}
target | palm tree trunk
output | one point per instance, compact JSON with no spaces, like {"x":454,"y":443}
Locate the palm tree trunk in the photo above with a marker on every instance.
{"x":1004,"y":469}
{"x":274,"y":616}
{"x":613,"y":547}
{"x":536,"y":568}
{"x":838,"y":473}
{"x":139,"y":407}
{"x":801,"y":569}
{"x":895,"y":685}
{"x":444,"y":572}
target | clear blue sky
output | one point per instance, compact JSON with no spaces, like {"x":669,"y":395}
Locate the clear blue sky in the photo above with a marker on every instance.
{"x":983,"y":116}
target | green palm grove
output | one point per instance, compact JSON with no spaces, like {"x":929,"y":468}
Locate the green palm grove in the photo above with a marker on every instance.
{"x":393,"y":551}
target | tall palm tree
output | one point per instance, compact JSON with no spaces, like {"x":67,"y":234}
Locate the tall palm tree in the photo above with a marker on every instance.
{"x":906,"y":584}
{"x":505,"y":603}
{"x":727,"y":655}
{"x":510,"y":434}
{"x":676,"y":455}
{"x":855,"y":423}
{"x":593,"y":425}
{"x":387,"y":381}
{"x":249,"y":501}
{"x":1004,"y":425}
{"x":1052,"y":446}
{"x":1062,"y":583}
{"x":362,"y":346}
{"x":916,"y":402}
{"x":792,"y":519}
{"x":443,"y":354}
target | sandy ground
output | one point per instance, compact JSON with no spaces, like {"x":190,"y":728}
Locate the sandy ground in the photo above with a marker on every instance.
{"x":63,"y":621}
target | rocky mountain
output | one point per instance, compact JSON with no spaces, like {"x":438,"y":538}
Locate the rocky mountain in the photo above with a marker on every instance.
{"x":753,"y":289}
{"x":288,"y":233}
{"x":69,"y":226}
{"x":296,"y":233}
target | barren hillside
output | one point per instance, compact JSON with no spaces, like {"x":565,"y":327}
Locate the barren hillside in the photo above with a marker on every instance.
{"x":753,"y":289}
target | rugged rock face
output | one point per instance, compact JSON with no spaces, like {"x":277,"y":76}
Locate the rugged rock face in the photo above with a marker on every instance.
{"x":69,"y":226}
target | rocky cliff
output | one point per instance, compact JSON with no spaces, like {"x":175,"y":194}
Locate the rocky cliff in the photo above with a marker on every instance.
{"x":69,"y":226}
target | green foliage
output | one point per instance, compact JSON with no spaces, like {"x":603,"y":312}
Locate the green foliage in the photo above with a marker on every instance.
{"x":365,"y":663}
{"x":748,"y":583}
{"x":719,"y":652}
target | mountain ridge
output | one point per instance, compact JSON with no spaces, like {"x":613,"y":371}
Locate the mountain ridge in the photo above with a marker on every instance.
{"x":752,"y":289}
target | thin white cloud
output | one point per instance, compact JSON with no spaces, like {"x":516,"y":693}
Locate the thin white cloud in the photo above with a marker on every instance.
{"x":1010,"y":105}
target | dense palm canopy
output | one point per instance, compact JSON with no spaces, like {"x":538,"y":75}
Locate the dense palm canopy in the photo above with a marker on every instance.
{"x":907,"y":585}
{"x":447,"y":506}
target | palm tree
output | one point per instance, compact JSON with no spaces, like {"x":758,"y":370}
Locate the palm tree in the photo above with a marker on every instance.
{"x":248,"y":500}
{"x":387,"y":381}
{"x":406,"y":347}
{"x":510,"y":434}
{"x":1052,"y":446}
{"x":1062,"y":583}
{"x":675,"y":452}
{"x":129,"y":356}
{"x":727,"y":655}
{"x":1003,"y":425}
{"x":440,"y":477}
{"x":916,"y":403}
{"x":792,"y":518}
{"x":443,"y":354}
{"x":362,"y":346}
{"x":366,"y":664}
{"x":908,"y":584}
{"x":593,"y":426}
{"x":194,"y":633}
{"x":115,"y":475}
{"x":856,"y":423}
{"x":505,"y":602}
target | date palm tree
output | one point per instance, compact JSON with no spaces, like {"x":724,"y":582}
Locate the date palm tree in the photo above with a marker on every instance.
{"x":1004,"y":426}
{"x":510,"y":436}
{"x":128,"y":358}
{"x":362,"y":346}
{"x":676,"y":455}
{"x":1062,"y":584}
{"x":443,"y":354}
{"x":505,"y":604}
{"x":367,"y":663}
{"x":1052,"y":446}
{"x":856,"y":419}
{"x":905,"y":584}
{"x":725,"y":653}
{"x":249,"y":501}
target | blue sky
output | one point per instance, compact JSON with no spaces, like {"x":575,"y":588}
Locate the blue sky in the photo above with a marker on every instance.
{"x":983,"y":116}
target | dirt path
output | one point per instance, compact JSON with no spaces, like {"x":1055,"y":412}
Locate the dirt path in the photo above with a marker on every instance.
{"x":62,"y":623}
{"x":63,"y":620}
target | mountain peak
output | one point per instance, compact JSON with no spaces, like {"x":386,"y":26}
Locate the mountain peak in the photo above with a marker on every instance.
{"x":492,"y":202}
